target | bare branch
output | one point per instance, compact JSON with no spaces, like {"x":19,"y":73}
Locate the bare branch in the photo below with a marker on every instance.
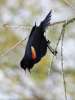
{"x":62,"y":63}
{"x":55,"y":23}
{"x":13,"y":47}
{"x":18,"y":43}
{"x":61,"y":37}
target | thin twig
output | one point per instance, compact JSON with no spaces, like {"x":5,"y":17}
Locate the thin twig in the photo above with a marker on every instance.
{"x":55,"y":50}
{"x":63,"y":32}
{"x":18,"y":43}
{"x":56,"y":44}
{"x":68,"y":22}
{"x":13,"y":47}
{"x":28,"y":26}
{"x":58,"y":38}
{"x":55,"y":23}
{"x":63,"y":74}
{"x":61,"y":37}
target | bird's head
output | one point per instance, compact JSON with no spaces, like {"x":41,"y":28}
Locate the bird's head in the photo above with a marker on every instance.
{"x":26,"y":64}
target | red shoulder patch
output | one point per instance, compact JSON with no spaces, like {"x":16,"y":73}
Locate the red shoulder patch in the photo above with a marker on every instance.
{"x":33,"y":53}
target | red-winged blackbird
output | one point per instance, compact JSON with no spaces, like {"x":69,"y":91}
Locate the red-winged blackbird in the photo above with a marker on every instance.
{"x":37,"y":44}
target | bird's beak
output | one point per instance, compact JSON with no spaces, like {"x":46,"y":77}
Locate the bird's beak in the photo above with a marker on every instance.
{"x":29,"y":71}
{"x":35,"y":23}
{"x":25,"y":71}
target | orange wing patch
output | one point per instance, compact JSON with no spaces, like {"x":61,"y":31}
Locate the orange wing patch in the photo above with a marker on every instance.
{"x":33,"y":51}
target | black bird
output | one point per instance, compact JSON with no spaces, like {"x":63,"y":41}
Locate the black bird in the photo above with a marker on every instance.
{"x":37,"y":44}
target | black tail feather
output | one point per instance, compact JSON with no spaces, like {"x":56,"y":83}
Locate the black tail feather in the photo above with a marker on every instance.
{"x":46,"y":22}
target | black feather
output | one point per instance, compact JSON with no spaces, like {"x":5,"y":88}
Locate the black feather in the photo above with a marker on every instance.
{"x":46,"y":22}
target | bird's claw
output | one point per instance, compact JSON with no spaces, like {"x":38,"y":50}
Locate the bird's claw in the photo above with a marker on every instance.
{"x":48,"y":42}
{"x":54,"y":53}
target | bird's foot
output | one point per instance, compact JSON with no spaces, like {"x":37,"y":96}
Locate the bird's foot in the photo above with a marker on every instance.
{"x":54,"y":52}
{"x":48,"y":42}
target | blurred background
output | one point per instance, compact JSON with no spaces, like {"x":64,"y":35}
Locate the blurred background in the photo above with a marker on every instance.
{"x":16,"y":20}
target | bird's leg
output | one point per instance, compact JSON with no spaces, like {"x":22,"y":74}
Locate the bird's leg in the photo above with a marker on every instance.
{"x":54,"y":52}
